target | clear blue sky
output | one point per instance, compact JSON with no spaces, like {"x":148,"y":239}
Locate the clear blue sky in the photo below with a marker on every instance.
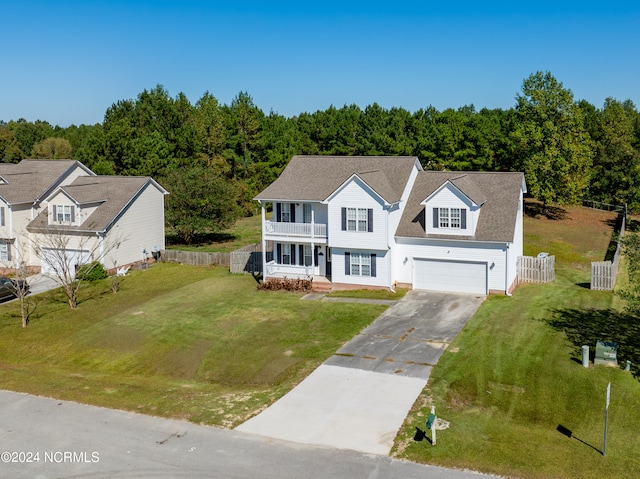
{"x":68,"y":61}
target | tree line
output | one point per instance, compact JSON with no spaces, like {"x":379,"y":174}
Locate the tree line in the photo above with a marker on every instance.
{"x":568,"y":149}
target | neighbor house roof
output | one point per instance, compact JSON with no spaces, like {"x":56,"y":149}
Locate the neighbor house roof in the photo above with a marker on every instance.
{"x":31,"y":180}
{"x":316,"y":178}
{"x":498,"y":193}
{"x":111,"y":194}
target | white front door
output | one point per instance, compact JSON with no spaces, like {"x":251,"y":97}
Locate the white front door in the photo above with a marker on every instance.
{"x":322,"y":261}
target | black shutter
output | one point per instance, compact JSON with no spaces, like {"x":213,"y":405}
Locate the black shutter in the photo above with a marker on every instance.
{"x":373,"y":265}
{"x":279,"y":253}
{"x":73,"y":214}
{"x":278,"y":212}
{"x":370,"y":220}
{"x":315,"y":256}
{"x":2,"y":216}
{"x":293,"y":254}
{"x":435,"y":218}
{"x":347,"y":263}
{"x":292,"y":208}
{"x":301,"y":255}
{"x":54,"y":213}
{"x":463,"y":219}
{"x":344,"y":219}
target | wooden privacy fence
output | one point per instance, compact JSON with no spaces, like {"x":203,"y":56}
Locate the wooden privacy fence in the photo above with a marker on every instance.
{"x":604,"y":273}
{"x":539,"y":269}
{"x":196,"y":258}
{"x":247,"y":259}
{"x":243,"y":260}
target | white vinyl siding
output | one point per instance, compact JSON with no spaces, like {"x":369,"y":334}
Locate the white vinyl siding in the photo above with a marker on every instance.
{"x":492,"y":254}
{"x":355,"y":195}
{"x":140,"y":226}
{"x":342,"y":270}
{"x":450,"y":212}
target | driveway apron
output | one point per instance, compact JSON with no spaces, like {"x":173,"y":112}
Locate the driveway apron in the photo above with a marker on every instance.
{"x":359,"y":398}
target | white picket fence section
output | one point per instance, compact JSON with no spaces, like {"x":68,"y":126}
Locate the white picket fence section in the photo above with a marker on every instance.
{"x":603,"y":275}
{"x":538,"y":269}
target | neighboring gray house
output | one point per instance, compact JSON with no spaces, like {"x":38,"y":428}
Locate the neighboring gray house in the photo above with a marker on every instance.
{"x":71,"y":215}
{"x":384,"y":221}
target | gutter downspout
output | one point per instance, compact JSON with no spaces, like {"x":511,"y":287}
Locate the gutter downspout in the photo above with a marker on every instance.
{"x":506,"y":269}
{"x":389,"y":250}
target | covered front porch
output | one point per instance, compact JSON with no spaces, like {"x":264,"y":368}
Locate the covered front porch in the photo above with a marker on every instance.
{"x":299,"y":261}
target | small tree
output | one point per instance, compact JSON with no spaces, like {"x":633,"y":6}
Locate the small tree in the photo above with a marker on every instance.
{"x":551,"y":143}
{"x":58,"y":250}
{"x":19,"y":284}
{"x":201,"y":201}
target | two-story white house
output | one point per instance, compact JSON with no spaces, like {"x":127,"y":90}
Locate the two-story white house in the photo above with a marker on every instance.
{"x":384,"y":222}
{"x":59,"y":211}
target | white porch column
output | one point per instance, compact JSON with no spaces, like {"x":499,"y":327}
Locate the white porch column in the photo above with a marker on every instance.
{"x":313,"y":235}
{"x":264,"y":242}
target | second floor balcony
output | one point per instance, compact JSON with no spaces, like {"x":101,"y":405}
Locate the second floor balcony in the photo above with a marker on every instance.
{"x":295,"y":230}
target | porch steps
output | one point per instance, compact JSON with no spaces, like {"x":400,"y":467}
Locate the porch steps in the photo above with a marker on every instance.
{"x":321,"y":285}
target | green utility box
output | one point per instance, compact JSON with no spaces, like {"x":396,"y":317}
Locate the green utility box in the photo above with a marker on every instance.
{"x":606,"y":353}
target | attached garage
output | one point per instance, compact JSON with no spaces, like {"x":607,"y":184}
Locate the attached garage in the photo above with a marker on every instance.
{"x":57,"y":261}
{"x":447,"y":275}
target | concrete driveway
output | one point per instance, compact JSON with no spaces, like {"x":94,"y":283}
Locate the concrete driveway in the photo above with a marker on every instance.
{"x":359,"y":398}
{"x":39,"y":283}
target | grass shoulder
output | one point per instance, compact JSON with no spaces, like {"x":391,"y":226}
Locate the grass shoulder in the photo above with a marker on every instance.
{"x":512,"y":380}
{"x":176,"y":341}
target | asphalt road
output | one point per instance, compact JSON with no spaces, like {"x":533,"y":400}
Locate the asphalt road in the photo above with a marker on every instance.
{"x":47,"y":438}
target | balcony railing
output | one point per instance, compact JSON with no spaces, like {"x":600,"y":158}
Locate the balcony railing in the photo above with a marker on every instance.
{"x":288,"y":271}
{"x":300,"y":230}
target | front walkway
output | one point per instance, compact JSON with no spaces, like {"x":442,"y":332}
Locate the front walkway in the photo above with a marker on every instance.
{"x":359,"y":398}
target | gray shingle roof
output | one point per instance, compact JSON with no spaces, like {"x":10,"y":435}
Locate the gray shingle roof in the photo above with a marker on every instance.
{"x":112,"y":193}
{"x":499,"y":194}
{"x":29,"y":180}
{"x":315,"y":178}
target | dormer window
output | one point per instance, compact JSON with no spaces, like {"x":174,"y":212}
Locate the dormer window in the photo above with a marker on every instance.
{"x":63,"y":214}
{"x":451,"y":218}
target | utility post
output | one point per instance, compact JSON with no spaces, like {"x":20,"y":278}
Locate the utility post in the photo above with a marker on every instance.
{"x":431,"y":424}
{"x":606,"y":419}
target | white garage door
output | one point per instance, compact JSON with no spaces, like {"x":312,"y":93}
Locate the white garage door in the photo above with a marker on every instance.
{"x":456,"y":276}
{"x":55,"y":261}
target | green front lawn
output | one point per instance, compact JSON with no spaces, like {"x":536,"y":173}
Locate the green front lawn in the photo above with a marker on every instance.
{"x":512,"y":380}
{"x":176,"y":341}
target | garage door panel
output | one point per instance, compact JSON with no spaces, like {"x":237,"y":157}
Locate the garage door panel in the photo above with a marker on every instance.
{"x":55,"y":261}
{"x":447,"y":275}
